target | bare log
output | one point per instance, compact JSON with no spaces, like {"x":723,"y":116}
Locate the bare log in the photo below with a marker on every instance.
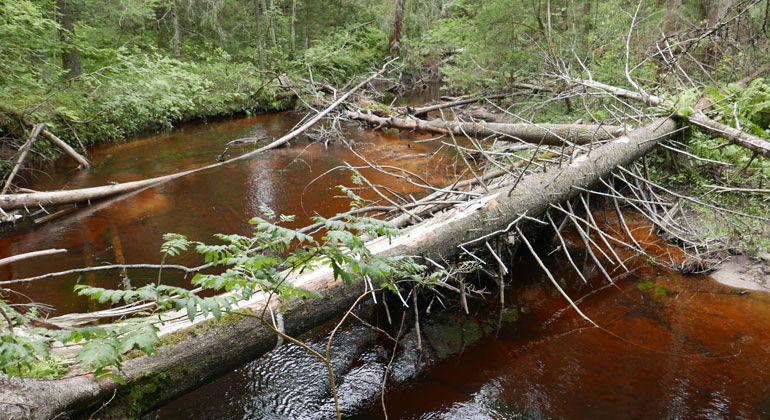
{"x":51,"y":198}
{"x":710,"y":126}
{"x":423,"y":111}
{"x":66,"y":148}
{"x":19,"y":257}
{"x":212,"y":351}
{"x":547,"y":134}
{"x":23,"y":151}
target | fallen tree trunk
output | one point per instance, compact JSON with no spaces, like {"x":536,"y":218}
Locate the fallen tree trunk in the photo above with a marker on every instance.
{"x":208,"y":350}
{"x":546,"y":134}
{"x":712,"y":127}
{"x":423,"y":111}
{"x":67,"y":149}
{"x":53,"y":198}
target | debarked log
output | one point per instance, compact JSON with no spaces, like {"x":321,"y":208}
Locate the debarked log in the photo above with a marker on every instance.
{"x":546,"y":134}
{"x":207,"y":348}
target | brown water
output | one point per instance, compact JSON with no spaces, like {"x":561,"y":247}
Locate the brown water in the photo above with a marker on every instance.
{"x":130,"y":228}
{"x":691,"y":349}
{"x":687,"y":348}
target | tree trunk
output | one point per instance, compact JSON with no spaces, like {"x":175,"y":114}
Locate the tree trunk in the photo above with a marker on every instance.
{"x":546,"y":134}
{"x":70,"y":54}
{"x":176,"y":37}
{"x":220,"y":347}
{"x":23,"y":151}
{"x":259,"y":11}
{"x":271,"y":22}
{"x":394,"y":43}
{"x":293,"y":27}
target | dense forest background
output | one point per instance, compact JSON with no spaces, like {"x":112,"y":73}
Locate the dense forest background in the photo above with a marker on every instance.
{"x":95,"y":71}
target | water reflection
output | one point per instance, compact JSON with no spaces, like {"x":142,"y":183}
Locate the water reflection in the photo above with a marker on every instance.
{"x":221,"y":200}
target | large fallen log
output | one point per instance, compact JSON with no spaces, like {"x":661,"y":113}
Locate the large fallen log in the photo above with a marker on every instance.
{"x":546,"y":134}
{"x":208,"y":348}
{"x":54,"y":198}
{"x":697,"y":117}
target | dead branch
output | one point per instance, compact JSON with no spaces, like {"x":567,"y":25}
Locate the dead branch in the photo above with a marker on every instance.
{"x":19,"y":257}
{"x":23,"y":151}
{"x":424,"y":110}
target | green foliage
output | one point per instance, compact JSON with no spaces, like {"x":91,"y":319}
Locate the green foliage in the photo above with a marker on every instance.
{"x":747,"y":107}
{"x":27,"y":33}
{"x":346,"y":54}
{"x":656,"y":290}
{"x":259,"y":263}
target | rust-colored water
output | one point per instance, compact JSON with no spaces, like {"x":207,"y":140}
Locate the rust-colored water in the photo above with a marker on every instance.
{"x":685,"y":348}
{"x":671,"y":347}
{"x":129,"y":229}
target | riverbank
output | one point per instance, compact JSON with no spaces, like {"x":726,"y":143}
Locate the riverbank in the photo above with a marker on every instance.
{"x":140,"y":92}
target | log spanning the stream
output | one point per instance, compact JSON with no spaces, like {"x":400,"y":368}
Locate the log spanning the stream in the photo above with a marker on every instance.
{"x":207,"y":349}
{"x":55,"y":198}
{"x":546,"y":134}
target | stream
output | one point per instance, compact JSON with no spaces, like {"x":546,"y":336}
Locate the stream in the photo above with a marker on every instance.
{"x":671,"y":346}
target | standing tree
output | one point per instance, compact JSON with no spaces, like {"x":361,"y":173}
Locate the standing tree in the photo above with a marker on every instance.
{"x":68,"y":10}
{"x":394,"y":44}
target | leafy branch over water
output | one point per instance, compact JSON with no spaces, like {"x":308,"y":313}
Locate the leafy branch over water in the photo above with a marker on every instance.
{"x":262,"y":262}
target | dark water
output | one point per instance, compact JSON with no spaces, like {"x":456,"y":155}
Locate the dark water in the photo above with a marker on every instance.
{"x":687,"y":348}
{"x":129,"y":229}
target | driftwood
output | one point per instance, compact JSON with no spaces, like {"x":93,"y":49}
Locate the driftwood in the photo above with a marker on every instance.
{"x":218,"y":348}
{"x":23,"y":151}
{"x":546,"y":134}
{"x":698,"y":118}
{"x":54,"y":198}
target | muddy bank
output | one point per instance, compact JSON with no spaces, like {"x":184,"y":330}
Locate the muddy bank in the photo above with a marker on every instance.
{"x":742,"y":272}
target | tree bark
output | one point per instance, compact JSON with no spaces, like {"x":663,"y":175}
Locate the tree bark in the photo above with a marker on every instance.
{"x":176,"y":37}
{"x":394,"y":43}
{"x":547,"y":134}
{"x":293,"y":27}
{"x":218,"y":348}
{"x":70,"y":54}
